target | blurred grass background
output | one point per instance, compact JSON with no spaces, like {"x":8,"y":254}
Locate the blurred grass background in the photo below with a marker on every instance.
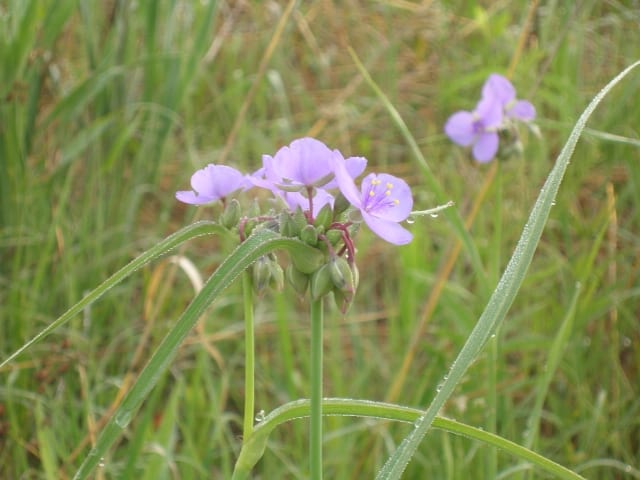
{"x":107,"y":107}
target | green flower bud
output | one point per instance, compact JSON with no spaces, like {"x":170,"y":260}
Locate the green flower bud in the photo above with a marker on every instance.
{"x":309,"y":235}
{"x":341,"y":275}
{"x":343,"y":300}
{"x":321,"y":283}
{"x":287,"y":227}
{"x":299,"y":221}
{"x":261,"y":274}
{"x":277,"y":275}
{"x":231,"y":214}
{"x":298,"y":280}
{"x":334,"y":236}
{"x":307,"y":259}
{"x":324,"y":217}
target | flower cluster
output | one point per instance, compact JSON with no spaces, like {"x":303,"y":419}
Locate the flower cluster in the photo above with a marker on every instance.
{"x":496,"y":111}
{"x":319,"y":203}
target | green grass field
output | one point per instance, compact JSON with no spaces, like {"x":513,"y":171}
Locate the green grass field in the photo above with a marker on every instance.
{"x":108,"y":107}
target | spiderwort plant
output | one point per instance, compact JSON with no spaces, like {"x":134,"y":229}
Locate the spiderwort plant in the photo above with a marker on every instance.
{"x":496,"y":112}
{"x":317,"y":202}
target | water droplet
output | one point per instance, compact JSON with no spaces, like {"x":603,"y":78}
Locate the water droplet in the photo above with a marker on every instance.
{"x":260,"y":416}
{"x":411,"y":220}
{"x":433,"y":215}
{"x":101,"y":462}
{"x":123,"y":418}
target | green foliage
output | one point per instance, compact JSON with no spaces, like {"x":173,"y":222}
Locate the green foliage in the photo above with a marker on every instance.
{"x":106,"y":108}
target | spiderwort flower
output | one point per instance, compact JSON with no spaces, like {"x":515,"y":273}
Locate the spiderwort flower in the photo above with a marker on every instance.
{"x":213,"y":182}
{"x":383,"y":202}
{"x":495,"y":111}
{"x":478,"y":129}
{"x":297,"y":172}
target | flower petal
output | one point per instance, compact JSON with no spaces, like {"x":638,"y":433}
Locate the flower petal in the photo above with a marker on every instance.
{"x":486,"y":147}
{"x":459,"y":128}
{"x":498,"y":88}
{"x":190,"y":197}
{"x":346,"y":184}
{"x":522,"y":110}
{"x":390,"y":231}
{"x":489,"y":111}
{"x":396,"y":195}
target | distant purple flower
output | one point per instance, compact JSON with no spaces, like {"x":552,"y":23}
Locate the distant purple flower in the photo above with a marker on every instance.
{"x":494,"y":111}
{"x":383,"y":201}
{"x":213,"y":182}
{"x":500,"y":88}
{"x":478,"y":128}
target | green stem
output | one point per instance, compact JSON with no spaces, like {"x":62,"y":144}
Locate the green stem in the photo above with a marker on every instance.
{"x":315,"y":441}
{"x":249,"y":356}
{"x":494,"y":344}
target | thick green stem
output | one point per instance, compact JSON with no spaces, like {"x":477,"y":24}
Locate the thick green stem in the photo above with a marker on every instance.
{"x":315,"y":442}
{"x":249,"y":356}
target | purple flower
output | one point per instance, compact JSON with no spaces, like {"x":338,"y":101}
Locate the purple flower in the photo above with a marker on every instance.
{"x":213,"y":182}
{"x":478,"y":128}
{"x":494,"y":111}
{"x":383,"y":201}
{"x":299,"y":169}
{"x":500,"y":89}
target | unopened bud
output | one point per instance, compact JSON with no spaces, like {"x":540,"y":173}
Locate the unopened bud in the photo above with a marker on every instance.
{"x":334,"y":236}
{"x":231,"y":214}
{"x":309,"y":235}
{"x":287,"y":228}
{"x":261,"y":274}
{"x":341,"y":275}
{"x":321,"y":283}
{"x":298,"y":280}
{"x":324,"y":217}
{"x":299,"y":221}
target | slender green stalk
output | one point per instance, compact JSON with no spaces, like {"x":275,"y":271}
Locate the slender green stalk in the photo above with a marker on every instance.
{"x":249,"y":356}
{"x":493,"y":357}
{"x":315,"y":441}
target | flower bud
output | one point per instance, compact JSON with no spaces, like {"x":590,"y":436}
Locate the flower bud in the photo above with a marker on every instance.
{"x":277,"y":275}
{"x":298,"y":280}
{"x":341,"y":275}
{"x":286,"y":226}
{"x":261,"y":274}
{"x":334,"y":236}
{"x":306,"y":259}
{"x":324,"y":217}
{"x":321,"y":283}
{"x":299,"y":220}
{"x":231,"y":214}
{"x":343,"y":300}
{"x":309,"y":235}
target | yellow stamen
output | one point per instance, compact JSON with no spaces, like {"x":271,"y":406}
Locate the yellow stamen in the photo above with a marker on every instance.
{"x":387,"y":193}
{"x":389,"y":186}
{"x":396,"y":201}
{"x":371,"y":193}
